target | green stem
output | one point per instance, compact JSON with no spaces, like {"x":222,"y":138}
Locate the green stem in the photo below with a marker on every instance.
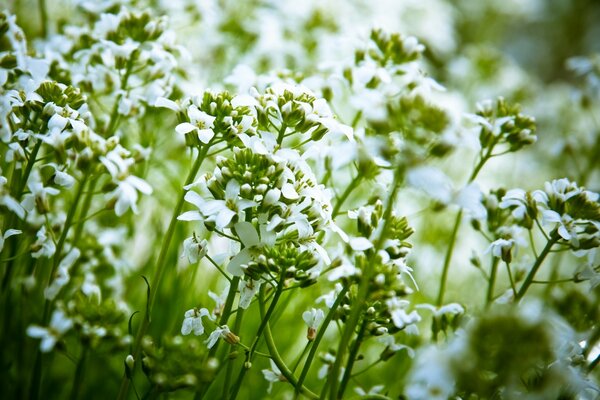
{"x":78,"y":378}
{"x":276,"y":357}
{"x":511,"y":280}
{"x":448,"y":258}
{"x":321,"y":332}
{"x":85,"y":207}
{"x":363,"y":289}
{"x":538,"y":262}
{"x":27,"y":171}
{"x":493,"y":272}
{"x":36,"y":376}
{"x":43,"y":17}
{"x":113,"y":123}
{"x":233,"y":287}
{"x":301,"y":357}
{"x":261,"y":328}
{"x":281,"y":135}
{"x":229,"y":372}
{"x":352,"y":357}
{"x":353,"y":185}
{"x":160,"y":267}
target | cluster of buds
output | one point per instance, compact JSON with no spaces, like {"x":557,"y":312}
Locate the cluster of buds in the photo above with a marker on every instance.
{"x":502,"y":123}
{"x":174,"y":365}
{"x":127,"y":57}
{"x":215,"y":114}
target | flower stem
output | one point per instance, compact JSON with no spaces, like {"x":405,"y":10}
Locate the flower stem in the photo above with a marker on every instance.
{"x":351,"y":186}
{"x":448,"y":258}
{"x":321,"y":333}
{"x":43,"y":17}
{"x":352,"y":357}
{"x":536,"y":266}
{"x":78,"y":378}
{"x":261,"y":328}
{"x":228,"y":373}
{"x":36,"y":373}
{"x":276,"y":357}
{"x":160,"y":267}
{"x":493,"y":272}
{"x":363,"y":289}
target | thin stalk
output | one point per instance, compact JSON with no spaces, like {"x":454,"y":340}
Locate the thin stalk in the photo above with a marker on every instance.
{"x":304,"y":351}
{"x":43,"y":17}
{"x":233,"y":287}
{"x":281,"y":135}
{"x":160,"y":266}
{"x":351,"y":186}
{"x":261,"y":328}
{"x":36,"y":374}
{"x":320,"y":333}
{"x":511,"y":279}
{"x":87,"y":202}
{"x":114,"y":115}
{"x":352,"y":357}
{"x":229,"y":372}
{"x":28,"y":168}
{"x":538,"y":262}
{"x":448,"y":258}
{"x":78,"y":378}
{"x":493,"y":272}
{"x":363,"y":290}
{"x":276,"y":357}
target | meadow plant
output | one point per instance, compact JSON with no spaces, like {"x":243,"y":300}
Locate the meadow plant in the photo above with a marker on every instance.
{"x":230,"y":200}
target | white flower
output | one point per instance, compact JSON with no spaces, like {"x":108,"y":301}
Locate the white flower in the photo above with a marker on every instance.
{"x":127,"y":196}
{"x":221,"y":332}
{"x":62,"y":274}
{"x":44,"y":245}
{"x":500,"y":247}
{"x":373,"y":391}
{"x":566,"y":225}
{"x":6,"y":235}
{"x":194,"y":250}
{"x":200,"y":122}
{"x":397,"y":309}
{"x":248,"y":289}
{"x":431,"y":377}
{"x":515,"y":198}
{"x":193,"y":321}
{"x":38,"y":194}
{"x":221,"y":212}
{"x":360,"y":244}
{"x":330,"y":297}
{"x":273,"y":375}
{"x":313,"y":319}
{"x":343,"y":271}
{"x":59,"y":325}
{"x":219,"y":300}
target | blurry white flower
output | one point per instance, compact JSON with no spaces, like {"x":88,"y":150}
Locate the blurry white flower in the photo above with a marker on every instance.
{"x":44,"y":245}
{"x":224,"y":333}
{"x":273,"y":375}
{"x":221,"y":212}
{"x":59,"y":325}
{"x":194,"y":250}
{"x":248,"y":289}
{"x":515,"y":198}
{"x":313,"y":319}
{"x":397,"y":309}
{"x":193,"y":321}
{"x":6,"y":235}
{"x":62,"y":274}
